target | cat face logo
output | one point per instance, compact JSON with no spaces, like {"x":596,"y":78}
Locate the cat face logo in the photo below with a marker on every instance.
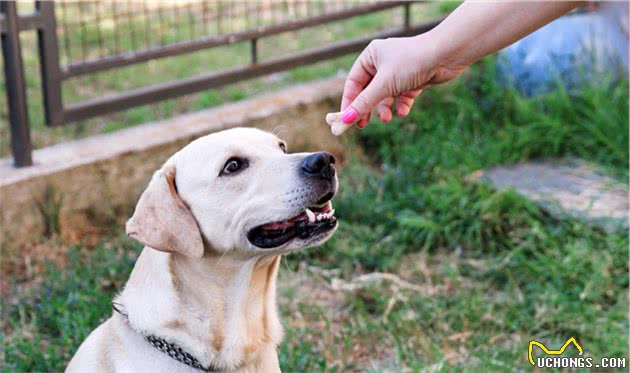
{"x":552,"y":352}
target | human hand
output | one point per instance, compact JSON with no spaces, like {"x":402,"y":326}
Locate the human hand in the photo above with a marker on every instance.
{"x":400,"y":68}
{"x":395,"y":69}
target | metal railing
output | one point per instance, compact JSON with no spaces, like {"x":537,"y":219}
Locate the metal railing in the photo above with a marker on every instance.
{"x":66,"y":49}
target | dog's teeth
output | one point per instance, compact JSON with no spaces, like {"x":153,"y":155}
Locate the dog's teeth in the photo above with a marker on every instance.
{"x":311,"y":215}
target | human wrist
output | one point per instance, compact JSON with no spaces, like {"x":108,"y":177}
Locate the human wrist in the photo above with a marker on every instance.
{"x":434,"y":60}
{"x":441,"y":51}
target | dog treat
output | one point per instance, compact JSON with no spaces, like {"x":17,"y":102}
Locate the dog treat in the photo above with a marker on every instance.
{"x":337,"y":127}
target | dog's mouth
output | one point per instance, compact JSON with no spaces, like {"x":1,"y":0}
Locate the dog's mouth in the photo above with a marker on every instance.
{"x":312,"y":222}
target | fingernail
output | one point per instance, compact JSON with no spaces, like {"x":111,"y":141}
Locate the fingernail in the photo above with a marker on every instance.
{"x":349,"y":116}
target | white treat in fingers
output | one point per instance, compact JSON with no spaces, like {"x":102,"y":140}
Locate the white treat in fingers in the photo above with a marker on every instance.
{"x":337,"y":126}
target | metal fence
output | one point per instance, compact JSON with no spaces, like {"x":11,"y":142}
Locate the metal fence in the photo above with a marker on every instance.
{"x":82,"y":38}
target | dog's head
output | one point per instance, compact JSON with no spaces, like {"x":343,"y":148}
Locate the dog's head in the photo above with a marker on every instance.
{"x":237,"y":191}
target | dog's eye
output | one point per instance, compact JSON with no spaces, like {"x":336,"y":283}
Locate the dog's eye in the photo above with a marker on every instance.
{"x":283,"y":146}
{"x":234,"y":165}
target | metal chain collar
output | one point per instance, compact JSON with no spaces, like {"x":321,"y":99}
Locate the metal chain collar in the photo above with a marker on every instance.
{"x":171,"y":349}
{"x":176,"y":352}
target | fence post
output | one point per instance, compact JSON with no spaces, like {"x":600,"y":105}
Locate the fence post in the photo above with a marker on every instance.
{"x":16,"y":87}
{"x":49,"y":63}
{"x":254,"y":50}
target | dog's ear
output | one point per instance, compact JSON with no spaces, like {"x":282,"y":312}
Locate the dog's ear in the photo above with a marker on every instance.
{"x":163,"y":221}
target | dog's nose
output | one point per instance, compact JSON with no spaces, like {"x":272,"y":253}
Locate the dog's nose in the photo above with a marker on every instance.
{"x":319,"y":165}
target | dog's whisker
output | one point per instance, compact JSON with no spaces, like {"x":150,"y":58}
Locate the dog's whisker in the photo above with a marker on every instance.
{"x":278,"y":130}
{"x":222,"y":256}
{"x":286,"y":265}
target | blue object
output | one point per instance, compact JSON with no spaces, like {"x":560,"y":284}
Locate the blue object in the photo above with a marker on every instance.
{"x":572,"y":50}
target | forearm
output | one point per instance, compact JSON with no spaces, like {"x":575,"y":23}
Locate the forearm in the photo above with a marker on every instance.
{"x":477,"y":29}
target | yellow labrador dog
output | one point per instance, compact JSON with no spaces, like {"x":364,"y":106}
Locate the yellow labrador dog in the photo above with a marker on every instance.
{"x":215,"y":220}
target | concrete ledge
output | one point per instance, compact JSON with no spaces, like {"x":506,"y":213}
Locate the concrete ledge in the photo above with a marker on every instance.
{"x":106,"y":173}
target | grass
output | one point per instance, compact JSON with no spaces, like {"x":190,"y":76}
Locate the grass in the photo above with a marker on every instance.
{"x":490,"y":269}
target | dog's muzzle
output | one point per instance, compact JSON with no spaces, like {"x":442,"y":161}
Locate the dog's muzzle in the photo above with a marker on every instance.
{"x":318,"y":216}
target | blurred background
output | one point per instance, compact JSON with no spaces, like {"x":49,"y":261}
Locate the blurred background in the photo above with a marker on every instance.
{"x":495,"y":213}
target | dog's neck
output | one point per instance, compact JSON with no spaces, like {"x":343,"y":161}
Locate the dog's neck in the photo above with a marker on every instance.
{"x":220,"y":309}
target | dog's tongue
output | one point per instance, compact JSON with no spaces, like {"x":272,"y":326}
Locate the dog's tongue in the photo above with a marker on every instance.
{"x":284,"y":224}
{"x":303,"y":216}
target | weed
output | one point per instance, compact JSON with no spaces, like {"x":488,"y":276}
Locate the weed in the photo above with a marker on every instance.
{"x":50,"y":210}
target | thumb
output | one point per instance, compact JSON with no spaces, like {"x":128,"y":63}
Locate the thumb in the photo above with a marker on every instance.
{"x":367,"y":100}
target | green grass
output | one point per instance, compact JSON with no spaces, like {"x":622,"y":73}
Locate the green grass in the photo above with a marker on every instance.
{"x":494,"y":270}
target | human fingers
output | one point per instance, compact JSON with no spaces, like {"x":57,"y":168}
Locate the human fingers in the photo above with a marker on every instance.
{"x":405,"y":101}
{"x":359,"y":76}
{"x":363,"y":104}
{"x":384,"y":109}
{"x":364,"y":121}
